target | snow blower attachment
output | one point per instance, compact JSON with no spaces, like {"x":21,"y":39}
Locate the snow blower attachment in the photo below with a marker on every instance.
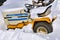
{"x":19,"y":17}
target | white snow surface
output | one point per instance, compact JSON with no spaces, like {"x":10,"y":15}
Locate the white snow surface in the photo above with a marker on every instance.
{"x":26,"y":33}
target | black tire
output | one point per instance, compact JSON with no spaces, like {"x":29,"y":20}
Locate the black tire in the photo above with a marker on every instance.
{"x":46,"y":25}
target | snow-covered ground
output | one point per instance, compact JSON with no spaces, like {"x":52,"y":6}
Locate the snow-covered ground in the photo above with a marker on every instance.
{"x":26,"y":33}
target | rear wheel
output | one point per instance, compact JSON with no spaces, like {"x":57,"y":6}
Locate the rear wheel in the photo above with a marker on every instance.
{"x":43,"y":27}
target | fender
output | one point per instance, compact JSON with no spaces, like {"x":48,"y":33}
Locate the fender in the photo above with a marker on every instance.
{"x":43,"y":19}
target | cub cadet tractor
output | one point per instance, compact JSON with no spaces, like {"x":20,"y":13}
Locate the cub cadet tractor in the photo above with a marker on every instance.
{"x":19,"y":17}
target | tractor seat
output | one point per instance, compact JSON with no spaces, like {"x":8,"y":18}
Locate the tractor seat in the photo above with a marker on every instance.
{"x":46,"y":12}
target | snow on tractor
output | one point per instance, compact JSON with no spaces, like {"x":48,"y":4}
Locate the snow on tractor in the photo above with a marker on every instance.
{"x":19,"y":17}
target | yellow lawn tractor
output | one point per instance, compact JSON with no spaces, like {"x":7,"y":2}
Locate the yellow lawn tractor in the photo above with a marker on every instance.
{"x":19,"y":17}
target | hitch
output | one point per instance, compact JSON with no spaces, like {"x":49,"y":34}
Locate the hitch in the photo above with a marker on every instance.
{"x":54,"y":18}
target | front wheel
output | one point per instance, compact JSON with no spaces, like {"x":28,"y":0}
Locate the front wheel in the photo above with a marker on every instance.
{"x":43,"y":27}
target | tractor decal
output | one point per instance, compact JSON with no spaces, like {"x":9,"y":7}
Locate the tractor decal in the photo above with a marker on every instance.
{"x":22,"y":14}
{"x":16,"y":19}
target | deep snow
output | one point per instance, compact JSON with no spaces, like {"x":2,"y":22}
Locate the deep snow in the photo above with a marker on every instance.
{"x":26,"y":33}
